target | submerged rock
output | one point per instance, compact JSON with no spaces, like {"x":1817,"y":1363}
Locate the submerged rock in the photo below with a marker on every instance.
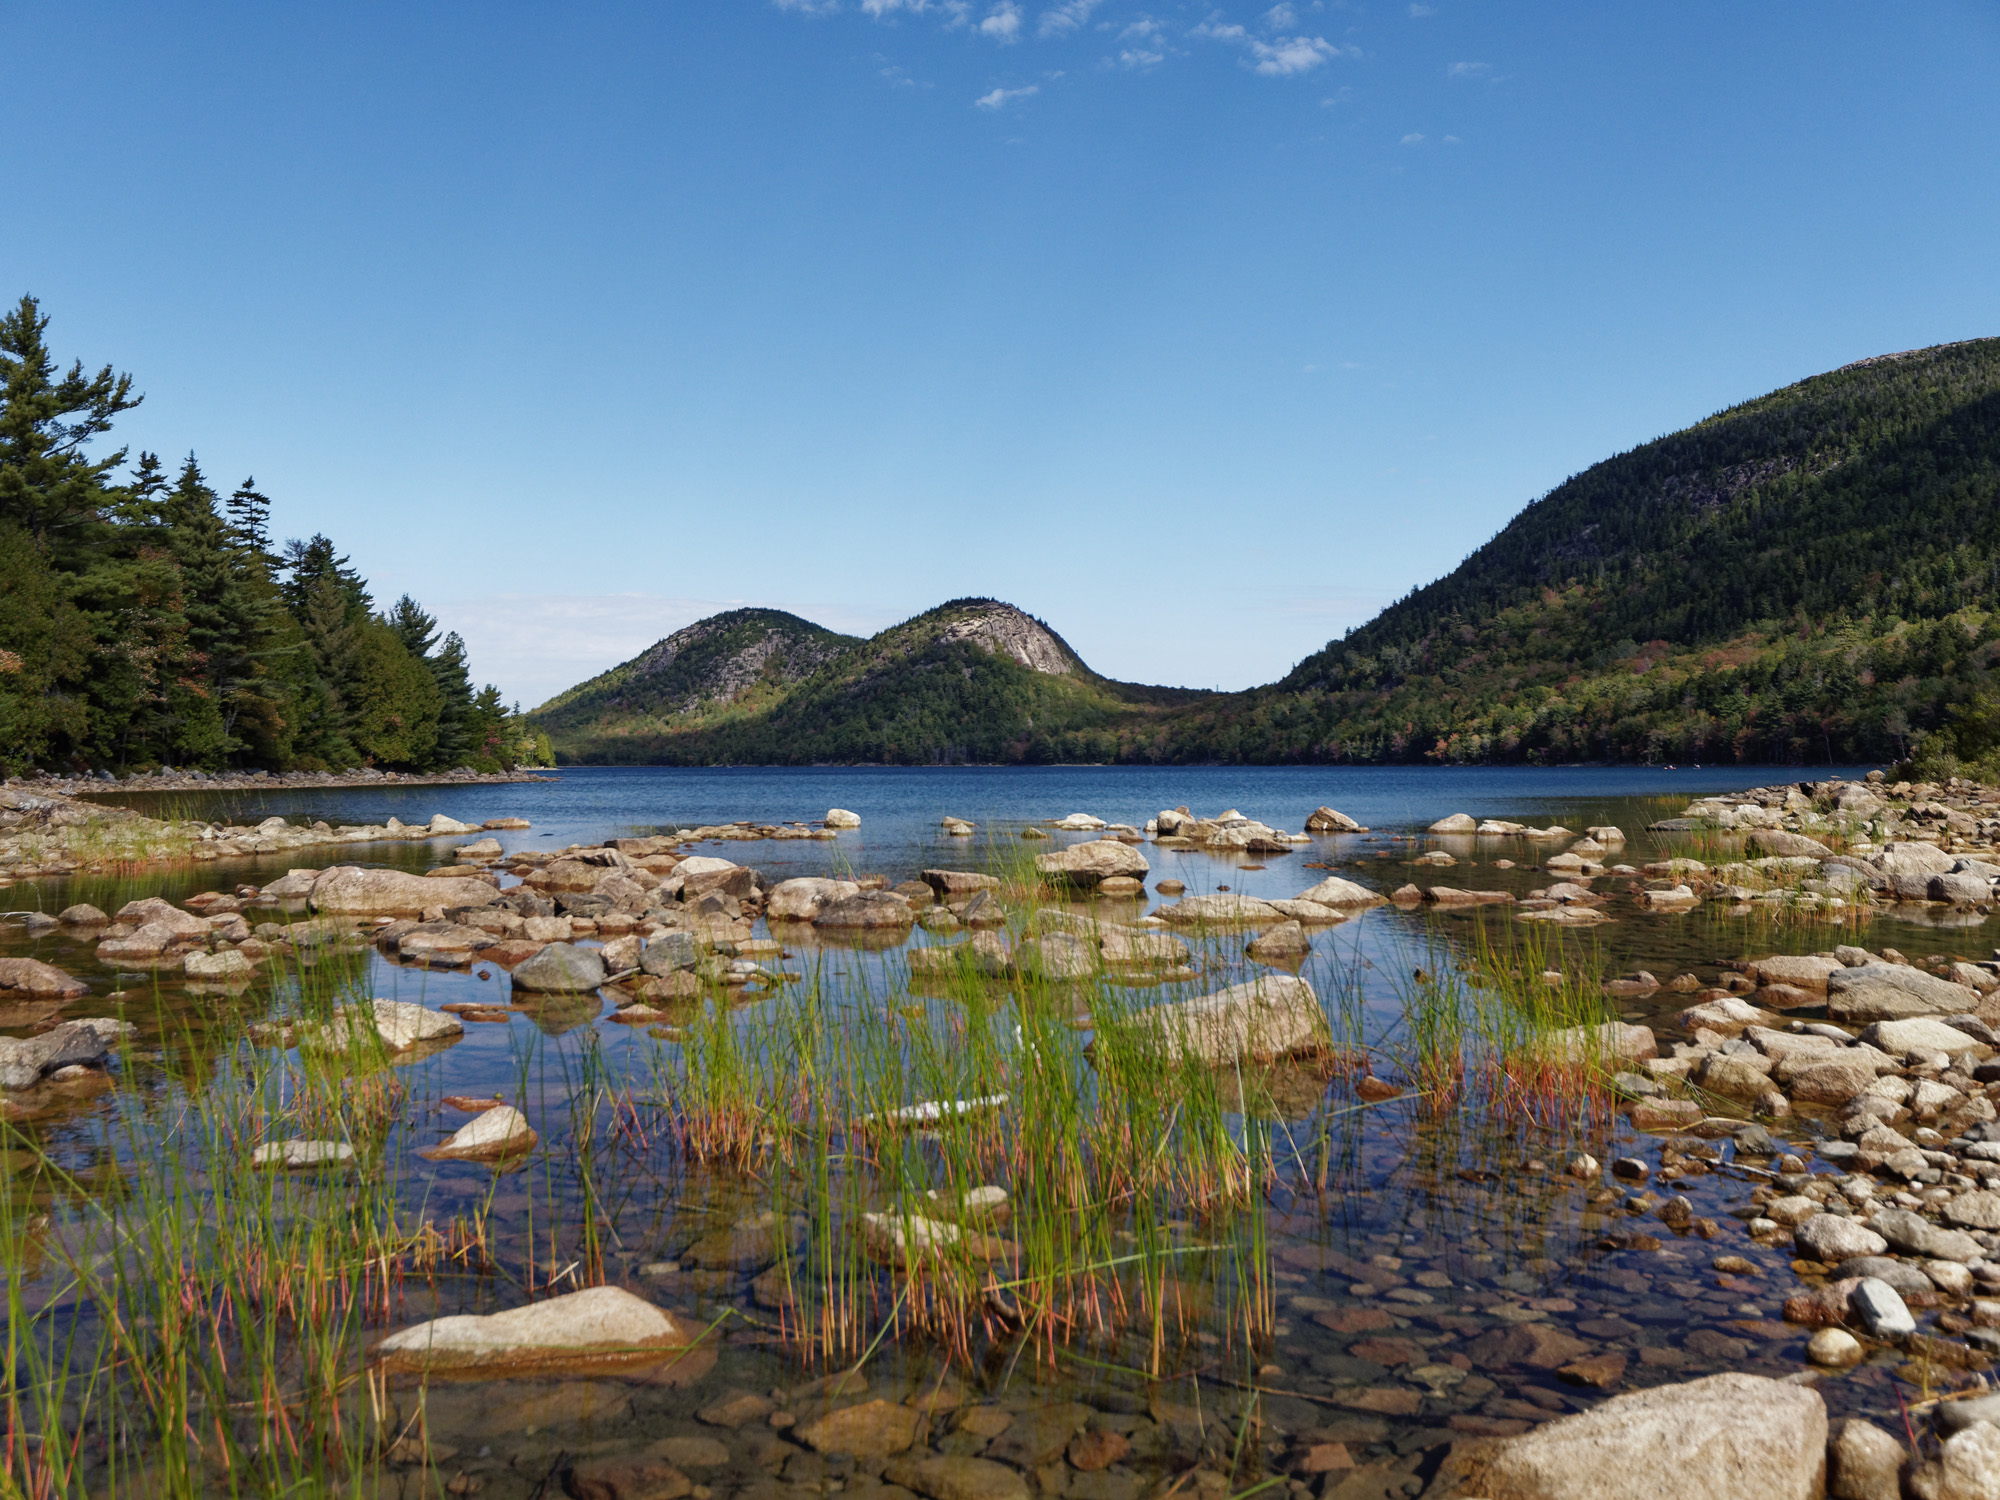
{"x":1727,"y":1437}
{"x":23,"y":1060}
{"x":347,"y":889}
{"x":302,"y":1153}
{"x":1276,"y":1015}
{"x":604,"y":1324}
{"x":1196,"y":911}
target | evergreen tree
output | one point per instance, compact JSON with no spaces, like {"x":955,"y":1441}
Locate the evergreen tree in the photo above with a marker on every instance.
{"x":450,"y":669}
{"x":414,"y":627}
{"x":393,"y":702}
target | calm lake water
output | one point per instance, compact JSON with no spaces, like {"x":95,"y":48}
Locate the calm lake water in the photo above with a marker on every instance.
{"x":1396,"y":1287}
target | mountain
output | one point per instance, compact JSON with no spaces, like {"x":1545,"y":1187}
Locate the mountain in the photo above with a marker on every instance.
{"x":972,"y":680}
{"x":1811,"y":576}
{"x":741,"y":661}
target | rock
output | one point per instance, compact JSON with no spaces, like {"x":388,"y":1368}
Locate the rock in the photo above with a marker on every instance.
{"x":348,"y":890}
{"x":561,"y":969}
{"x":1335,"y":892}
{"x":1975,"y":1210}
{"x":1922,"y":1034}
{"x":1225,"y":910}
{"x":840,"y":817}
{"x":1735,"y":1075}
{"x":1727,"y":1015}
{"x":1776,"y":842}
{"x":866,"y":910}
{"x":1283,"y":943}
{"x":30,"y":976}
{"x":873,"y":1429}
{"x":1956,"y":1416}
{"x":1967,"y":1468}
{"x":1084,"y":865}
{"x":479,"y":849}
{"x":627,"y":1479}
{"x":1326,"y":820}
{"x":226,"y":967}
{"x":1809,"y":973}
{"x":1456,"y":823}
{"x":668,"y":954}
{"x":1832,"y":1082}
{"x":1727,"y":1437}
{"x":959,"y":1478}
{"x":1892,"y":992}
{"x":1911,"y":1234}
{"x":1121,"y":885}
{"x":1879,"y":1309}
{"x":81,"y":915}
{"x":492,"y":1133}
{"x":1610,"y":1042}
{"x":1534,"y":1346}
{"x":1056,"y":955}
{"x":1863,"y":1461}
{"x":603,"y":1324}
{"x":1832,"y":1238}
{"x":802,"y":899}
{"x":1665,"y":1114}
{"x":1834,"y":1348}
{"x":950,"y":884}
{"x":1080,"y":822}
{"x":23,"y":1060}
{"x":1445,"y":895}
{"x":301,"y":1153}
{"x":1959,"y":890}
{"x":1272,"y":1016}
{"x":1122,"y":946}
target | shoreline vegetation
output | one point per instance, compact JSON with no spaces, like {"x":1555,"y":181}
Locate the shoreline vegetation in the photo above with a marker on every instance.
{"x":148,"y":620}
{"x":1063,"y":1196}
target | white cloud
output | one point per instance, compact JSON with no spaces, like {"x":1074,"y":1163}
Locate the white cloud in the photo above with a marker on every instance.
{"x":1418,"y":12}
{"x":1062,"y":19}
{"x":1290,"y":55}
{"x":1140,"y":57}
{"x":1281,"y":16}
{"x":1140,"y":30}
{"x":1281,"y":57}
{"x":1000,"y":98}
{"x":1468,"y":70}
{"x":815,"y":7}
{"x":1003,"y":23}
{"x":1413,"y":138}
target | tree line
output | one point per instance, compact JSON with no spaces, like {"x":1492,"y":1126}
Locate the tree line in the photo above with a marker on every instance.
{"x":148,"y":619}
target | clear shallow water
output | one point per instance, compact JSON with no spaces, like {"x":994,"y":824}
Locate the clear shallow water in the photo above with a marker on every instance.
{"x":1450,"y":1216}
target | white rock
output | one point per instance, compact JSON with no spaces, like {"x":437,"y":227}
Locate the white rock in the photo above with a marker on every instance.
{"x":299,"y":1153}
{"x":1880,"y":1309}
{"x":224,"y":967}
{"x":1333,"y":891}
{"x":499,"y":1131}
{"x":1728,"y":1437}
{"x":605,"y":1323}
{"x":840,"y":817}
{"x":1271,"y":1016}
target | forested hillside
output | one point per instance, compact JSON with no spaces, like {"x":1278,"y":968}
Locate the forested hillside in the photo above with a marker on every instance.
{"x":1810,"y":576}
{"x":973,"y":680}
{"x":148,"y":619}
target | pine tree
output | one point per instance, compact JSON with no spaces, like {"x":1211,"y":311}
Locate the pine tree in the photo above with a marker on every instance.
{"x":451,"y":671}
{"x":414,"y":627}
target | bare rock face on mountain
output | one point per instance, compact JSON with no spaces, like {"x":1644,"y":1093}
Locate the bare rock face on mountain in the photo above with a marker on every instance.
{"x":1006,"y":631}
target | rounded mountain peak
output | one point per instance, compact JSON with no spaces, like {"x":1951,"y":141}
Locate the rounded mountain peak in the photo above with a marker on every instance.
{"x":1007,"y":631}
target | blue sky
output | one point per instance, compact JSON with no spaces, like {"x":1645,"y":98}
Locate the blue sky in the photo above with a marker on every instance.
{"x":1199,"y":331}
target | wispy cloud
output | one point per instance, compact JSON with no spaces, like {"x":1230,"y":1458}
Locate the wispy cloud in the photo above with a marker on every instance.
{"x":1418,"y":12}
{"x":1139,"y":57}
{"x":819,"y":7}
{"x":1281,"y":57}
{"x":1281,"y":16}
{"x":1062,"y":19}
{"x":1468,"y":70}
{"x":1414,"y":138}
{"x":1003,"y":22}
{"x":1000,"y":98}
